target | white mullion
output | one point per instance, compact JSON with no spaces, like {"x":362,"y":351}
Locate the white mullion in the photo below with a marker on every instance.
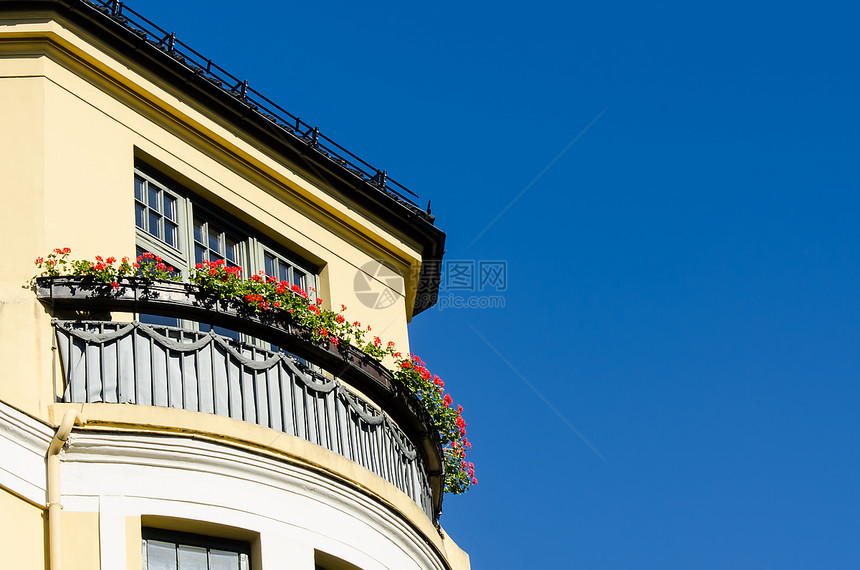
{"x":159,"y":212}
{"x":255,"y":259}
{"x":188,"y":231}
{"x":185,"y":219}
{"x":251,"y":263}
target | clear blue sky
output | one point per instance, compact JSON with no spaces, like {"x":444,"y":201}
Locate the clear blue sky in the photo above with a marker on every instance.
{"x":682,"y":282}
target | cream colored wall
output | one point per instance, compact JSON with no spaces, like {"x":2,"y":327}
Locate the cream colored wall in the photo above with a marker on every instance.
{"x":22,"y":533}
{"x":25,"y":338}
{"x":133,"y":537}
{"x":80,"y":541}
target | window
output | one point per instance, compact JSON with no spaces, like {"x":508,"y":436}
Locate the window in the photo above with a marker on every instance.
{"x":155,"y":211}
{"x":213,"y":244}
{"x":283,"y":270}
{"x":169,"y":550}
{"x":325,"y":561}
{"x":185,"y":230}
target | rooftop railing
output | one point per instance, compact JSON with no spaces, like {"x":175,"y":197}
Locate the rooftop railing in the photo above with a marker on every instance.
{"x":287,"y":124}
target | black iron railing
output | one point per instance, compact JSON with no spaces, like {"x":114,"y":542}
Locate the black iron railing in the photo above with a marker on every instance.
{"x":288,"y":124}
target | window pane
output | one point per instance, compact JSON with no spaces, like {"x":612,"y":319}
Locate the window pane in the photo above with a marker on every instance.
{"x":232,"y":253}
{"x":153,"y":223}
{"x":198,"y":231}
{"x":229,"y":333}
{"x":299,"y":278}
{"x":153,"y":197}
{"x":160,"y":555}
{"x":199,"y":254}
{"x":223,"y":560}
{"x":170,"y":234}
{"x":192,"y":558}
{"x":158,"y":320}
{"x":214,"y":239}
{"x":139,"y":216}
{"x":169,"y":207}
{"x":269,"y":264}
{"x":283,"y":273}
{"x":138,"y":188}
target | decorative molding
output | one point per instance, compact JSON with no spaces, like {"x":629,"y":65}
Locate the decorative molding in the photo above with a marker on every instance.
{"x":23,"y":444}
{"x":96,"y":462}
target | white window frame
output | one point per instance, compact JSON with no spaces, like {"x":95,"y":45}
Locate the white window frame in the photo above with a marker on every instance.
{"x":145,"y":240}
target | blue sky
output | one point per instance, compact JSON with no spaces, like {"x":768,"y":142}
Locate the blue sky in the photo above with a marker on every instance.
{"x":682,"y":281}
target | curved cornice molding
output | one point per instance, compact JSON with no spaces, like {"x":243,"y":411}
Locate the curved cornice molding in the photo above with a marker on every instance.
{"x":105,"y":443}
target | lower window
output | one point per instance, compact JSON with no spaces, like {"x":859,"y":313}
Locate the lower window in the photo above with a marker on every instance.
{"x":170,"y":550}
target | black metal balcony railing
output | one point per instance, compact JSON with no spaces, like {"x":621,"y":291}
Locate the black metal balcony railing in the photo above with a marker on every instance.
{"x":286,"y":123}
{"x":109,"y":362}
{"x":136,"y":363}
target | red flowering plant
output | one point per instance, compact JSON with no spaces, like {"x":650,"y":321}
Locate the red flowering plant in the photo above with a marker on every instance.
{"x":430,"y":389}
{"x":263,"y":294}
{"x":152,"y":267}
{"x":106,"y":270}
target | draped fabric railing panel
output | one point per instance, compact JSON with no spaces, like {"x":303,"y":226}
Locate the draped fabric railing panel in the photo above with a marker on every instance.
{"x":153,"y":365}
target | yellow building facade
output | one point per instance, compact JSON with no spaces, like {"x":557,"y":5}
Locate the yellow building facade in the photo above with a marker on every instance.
{"x":141,"y":426}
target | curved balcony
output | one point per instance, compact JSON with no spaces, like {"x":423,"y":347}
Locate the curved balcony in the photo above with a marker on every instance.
{"x":113,"y":362}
